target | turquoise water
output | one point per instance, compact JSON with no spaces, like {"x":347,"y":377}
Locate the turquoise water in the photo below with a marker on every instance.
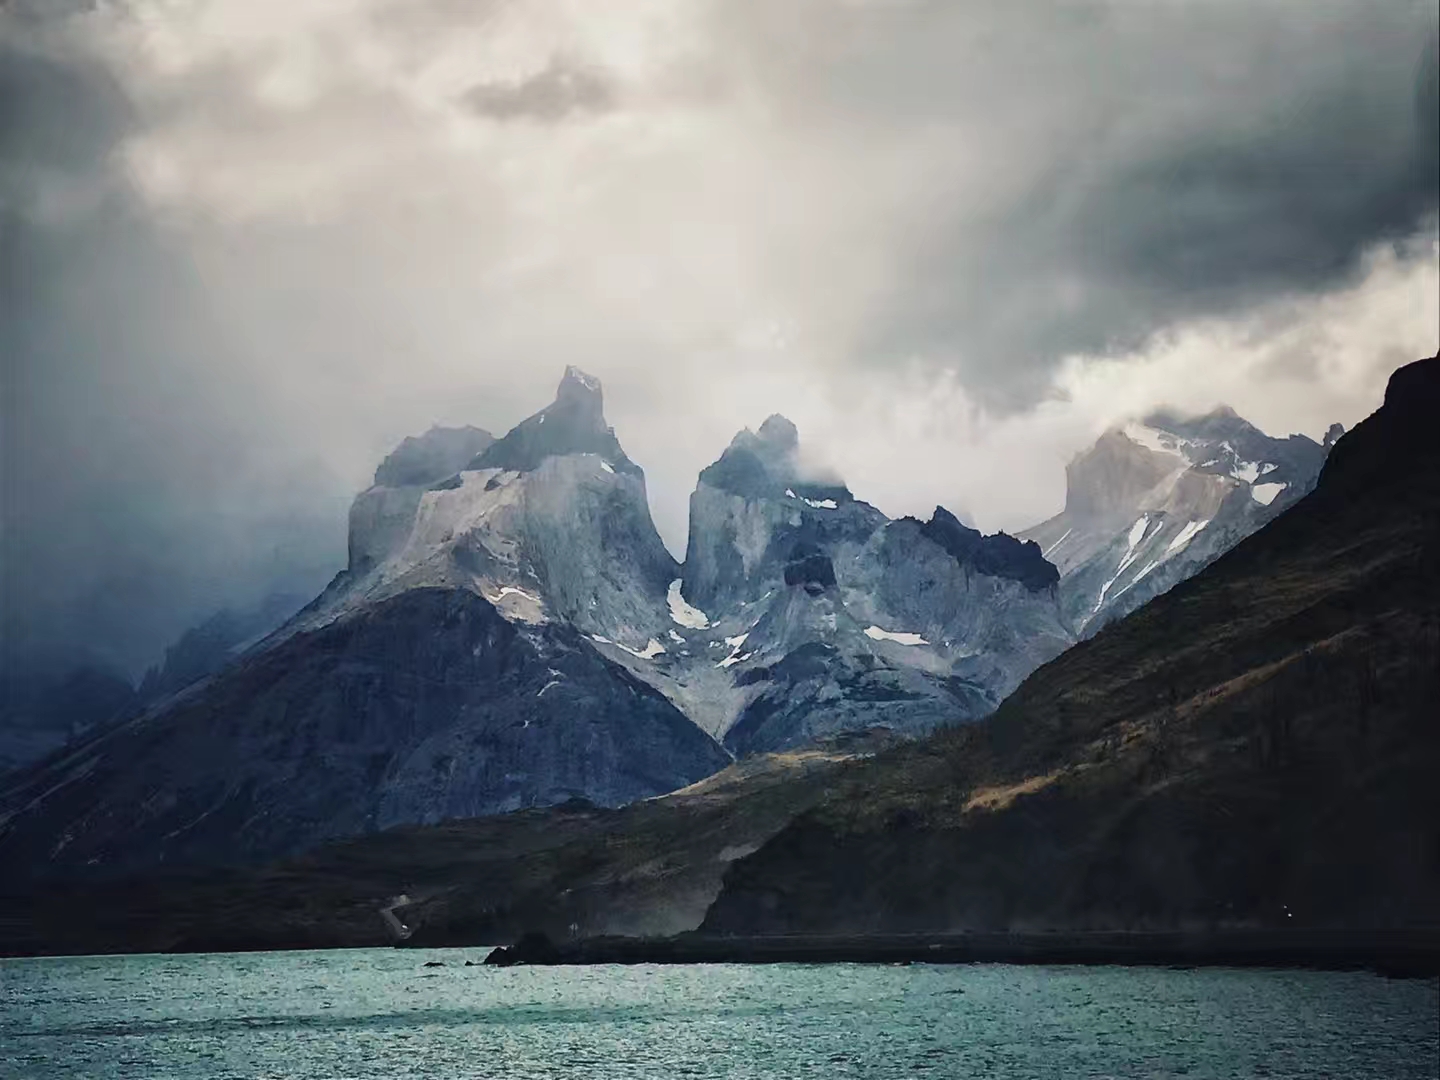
{"x":380,"y":1013}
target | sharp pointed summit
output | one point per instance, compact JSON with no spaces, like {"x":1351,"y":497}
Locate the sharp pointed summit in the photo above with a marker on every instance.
{"x":574,"y":423}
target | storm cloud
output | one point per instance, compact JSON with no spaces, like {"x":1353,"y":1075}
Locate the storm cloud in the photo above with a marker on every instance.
{"x":249,"y":246}
{"x":557,"y":91}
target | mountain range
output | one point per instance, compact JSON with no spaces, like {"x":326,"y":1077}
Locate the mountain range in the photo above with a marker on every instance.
{"x":1253,"y":750}
{"x":511,"y":632}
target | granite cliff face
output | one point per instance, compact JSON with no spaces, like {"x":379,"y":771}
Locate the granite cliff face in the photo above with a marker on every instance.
{"x":549,"y":523}
{"x":804,"y":613}
{"x":1152,"y":503}
{"x":428,"y":706}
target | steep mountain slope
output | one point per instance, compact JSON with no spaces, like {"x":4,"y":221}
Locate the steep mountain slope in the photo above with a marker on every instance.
{"x":452,"y":670}
{"x":804,"y":612}
{"x":44,"y":707}
{"x":1258,"y":746}
{"x":510,"y":631}
{"x":215,"y":643}
{"x":1151,"y":503}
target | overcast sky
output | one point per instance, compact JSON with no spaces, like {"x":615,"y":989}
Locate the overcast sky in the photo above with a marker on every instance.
{"x":248,"y":245}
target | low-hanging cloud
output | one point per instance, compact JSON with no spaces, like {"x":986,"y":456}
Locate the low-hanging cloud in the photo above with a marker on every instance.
{"x":559,"y":90}
{"x":250,"y":245}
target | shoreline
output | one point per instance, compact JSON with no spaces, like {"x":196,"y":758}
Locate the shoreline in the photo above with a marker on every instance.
{"x":1404,"y":953}
{"x":1397,"y":953}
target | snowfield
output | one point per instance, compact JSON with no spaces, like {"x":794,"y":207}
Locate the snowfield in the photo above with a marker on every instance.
{"x":900,"y":637}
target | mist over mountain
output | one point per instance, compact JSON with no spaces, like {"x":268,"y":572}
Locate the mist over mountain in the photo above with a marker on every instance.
{"x":248,"y":249}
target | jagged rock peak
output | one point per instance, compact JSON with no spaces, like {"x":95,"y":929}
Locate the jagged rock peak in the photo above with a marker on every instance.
{"x":780,"y":433}
{"x":1219,"y":423}
{"x":580,"y":387}
{"x":574,"y":423}
{"x":769,"y":464}
{"x":1000,"y":555}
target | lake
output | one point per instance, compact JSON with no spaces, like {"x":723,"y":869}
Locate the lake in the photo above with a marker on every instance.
{"x":381,"y":1013}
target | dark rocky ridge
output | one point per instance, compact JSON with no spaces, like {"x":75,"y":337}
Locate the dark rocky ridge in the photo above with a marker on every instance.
{"x":652,"y":867}
{"x":810,"y":568}
{"x":42,"y":709}
{"x":209,"y":647}
{"x":574,"y":424}
{"x":1000,"y":555}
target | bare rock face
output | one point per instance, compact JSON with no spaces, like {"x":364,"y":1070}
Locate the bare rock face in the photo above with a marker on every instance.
{"x":1256,"y":749}
{"x":573,"y":425}
{"x":1152,"y":503}
{"x":549,"y":523}
{"x":427,"y":706}
{"x":804,"y":612}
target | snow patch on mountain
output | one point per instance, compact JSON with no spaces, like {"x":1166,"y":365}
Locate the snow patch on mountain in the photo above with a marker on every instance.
{"x":683,"y":613}
{"x":1057,"y":543}
{"x":900,"y":637}
{"x":1247,"y":472}
{"x":1264,"y":494}
{"x":1137,"y":533}
{"x":1191,"y":530}
{"x":1162,"y":442}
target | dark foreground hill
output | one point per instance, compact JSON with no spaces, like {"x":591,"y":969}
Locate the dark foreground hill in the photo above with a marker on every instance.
{"x":647,"y":869}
